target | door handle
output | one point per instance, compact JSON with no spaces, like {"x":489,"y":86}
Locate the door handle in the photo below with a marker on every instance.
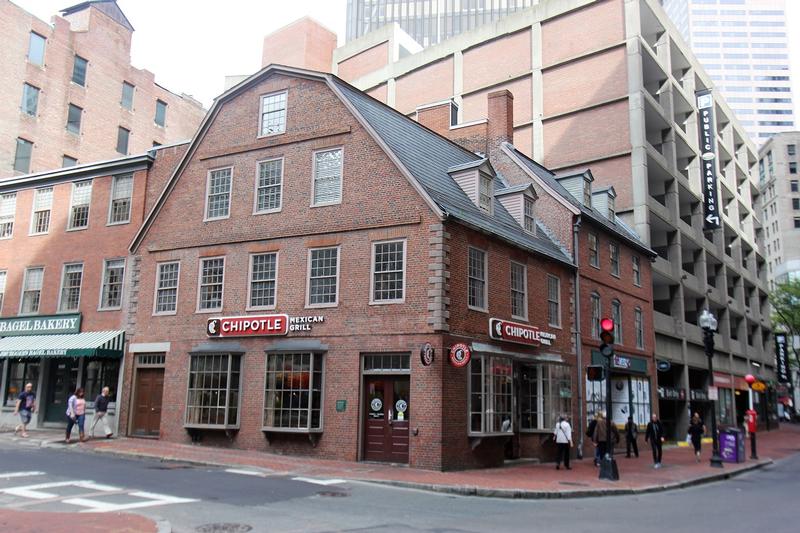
{"x":390,"y":417}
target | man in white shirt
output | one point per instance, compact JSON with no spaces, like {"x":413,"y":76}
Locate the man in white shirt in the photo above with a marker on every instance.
{"x":563,"y":437}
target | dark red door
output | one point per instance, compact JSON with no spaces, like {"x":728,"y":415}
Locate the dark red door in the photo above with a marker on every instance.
{"x":387,"y":409}
{"x":147,"y":398}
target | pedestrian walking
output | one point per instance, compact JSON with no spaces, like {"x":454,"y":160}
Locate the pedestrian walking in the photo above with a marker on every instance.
{"x":563,"y":437}
{"x":655,"y":436}
{"x":100,"y":412}
{"x":590,"y":433}
{"x":601,"y":438}
{"x":76,"y":414}
{"x":631,"y":434}
{"x":25,"y":407}
{"x":696,"y":431}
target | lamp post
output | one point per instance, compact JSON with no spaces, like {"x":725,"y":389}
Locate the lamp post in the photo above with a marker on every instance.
{"x":708,"y":323}
{"x":608,"y":465}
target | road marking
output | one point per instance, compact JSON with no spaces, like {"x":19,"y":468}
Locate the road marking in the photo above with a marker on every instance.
{"x":8,"y":475}
{"x":244,"y":472}
{"x":151,"y":499}
{"x":35,"y":492}
{"x":319,"y":481}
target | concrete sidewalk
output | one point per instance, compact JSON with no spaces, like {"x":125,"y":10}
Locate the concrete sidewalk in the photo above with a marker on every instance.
{"x":519,"y":480}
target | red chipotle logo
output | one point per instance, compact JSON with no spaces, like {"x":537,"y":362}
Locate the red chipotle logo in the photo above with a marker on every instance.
{"x":248,"y":326}
{"x":519,"y":333}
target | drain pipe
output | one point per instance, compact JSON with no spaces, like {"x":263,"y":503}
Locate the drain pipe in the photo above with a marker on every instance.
{"x":578,"y":346}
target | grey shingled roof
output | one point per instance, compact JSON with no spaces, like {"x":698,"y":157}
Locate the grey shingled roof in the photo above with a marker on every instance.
{"x":617,"y":227}
{"x":428,"y":157}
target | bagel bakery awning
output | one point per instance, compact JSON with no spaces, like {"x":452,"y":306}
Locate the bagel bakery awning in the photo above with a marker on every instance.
{"x":87,"y":344}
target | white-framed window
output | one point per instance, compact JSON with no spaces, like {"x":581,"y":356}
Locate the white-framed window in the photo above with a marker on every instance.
{"x":528,"y":214}
{"x":119,"y":210}
{"x":273,"y":114}
{"x":269,"y":186}
{"x":519,"y":290}
{"x":595,"y":318}
{"x":613,"y":250}
{"x":167,"y":278}
{"x":70,"y":296}
{"x":638,"y":324}
{"x":31,"y":291}
{"x":42,"y":204}
{"x":3,"y":276}
{"x":637,"y":270}
{"x":485,"y":193}
{"x":594,"y":257}
{"x":553,"y":301}
{"x":36,"y":45}
{"x":213,"y":395}
{"x":79,"y":205}
{"x":8,"y":212}
{"x":388,"y":272}
{"x":616,"y":316}
{"x":476,"y":295}
{"x":218,"y":193}
{"x":323,"y":277}
{"x":327,"y":177}
{"x":491,"y":395}
{"x":263,"y":280}
{"x":113,"y":278}
{"x":545,"y":394}
{"x":293,"y":403}
{"x":212,"y":280}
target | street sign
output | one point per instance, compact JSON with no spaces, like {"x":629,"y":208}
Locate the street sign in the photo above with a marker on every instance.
{"x":759,"y":386}
{"x":707,"y":130}
{"x":663,"y":366}
{"x":713,"y":393}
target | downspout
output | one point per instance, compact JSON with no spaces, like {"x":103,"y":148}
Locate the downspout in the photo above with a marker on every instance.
{"x":578,"y":346}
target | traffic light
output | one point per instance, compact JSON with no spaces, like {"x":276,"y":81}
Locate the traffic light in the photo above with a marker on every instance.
{"x":607,"y":336}
{"x":595,"y":373}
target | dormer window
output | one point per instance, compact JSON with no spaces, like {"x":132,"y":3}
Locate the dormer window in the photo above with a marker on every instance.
{"x":611,"y":208}
{"x":587,"y":193}
{"x":530,"y":221}
{"x":485,"y":193}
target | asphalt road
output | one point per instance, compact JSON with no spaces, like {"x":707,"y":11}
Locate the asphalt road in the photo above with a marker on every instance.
{"x":203,"y":499}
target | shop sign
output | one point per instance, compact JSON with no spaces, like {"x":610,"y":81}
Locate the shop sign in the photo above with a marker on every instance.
{"x":460,"y":355}
{"x":519,"y":333}
{"x":759,"y":386}
{"x":259,"y":325}
{"x":426,"y":354}
{"x":781,"y":358}
{"x":698,"y":394}
{"x":341,"y":406}
{"x":621,"y":362}
{"x":723,"y":380}
{"x":713,"y":393}
{"x":671,"y":393}
{"x":663,"y":366}
{"x":707,"y":129}
{"x":40,"y":325}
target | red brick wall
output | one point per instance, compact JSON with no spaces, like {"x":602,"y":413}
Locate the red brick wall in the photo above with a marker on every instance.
{"x":590,"y":28}
{"x":303,"y":44}
{"x":510,"y":54}
{"x":364,"y":62}
{"x":416,"y":88}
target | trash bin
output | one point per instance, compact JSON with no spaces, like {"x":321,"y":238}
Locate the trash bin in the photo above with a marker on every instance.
{"x":731,"y":445}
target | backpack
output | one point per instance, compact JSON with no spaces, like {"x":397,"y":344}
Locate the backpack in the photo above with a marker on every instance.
{"x":590,"y":428}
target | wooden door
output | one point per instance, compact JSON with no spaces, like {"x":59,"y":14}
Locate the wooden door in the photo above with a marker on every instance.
{"x":147,"y":402}
{"x":386,"y":422}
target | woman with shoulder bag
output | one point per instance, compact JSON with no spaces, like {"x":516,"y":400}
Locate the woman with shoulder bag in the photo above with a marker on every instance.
{"x":76,"y":414}
{"x":563,"y":437}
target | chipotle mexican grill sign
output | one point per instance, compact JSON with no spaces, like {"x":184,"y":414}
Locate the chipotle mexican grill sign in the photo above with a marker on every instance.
{"x":519,"y":333}
{"x":260,"y":325}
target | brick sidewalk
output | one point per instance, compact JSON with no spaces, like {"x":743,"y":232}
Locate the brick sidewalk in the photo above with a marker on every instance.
{"x":41,"y":522}
{"x":525,"y":480}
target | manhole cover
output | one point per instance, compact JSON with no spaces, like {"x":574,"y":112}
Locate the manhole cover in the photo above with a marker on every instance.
{"x":225,"y":527}
{"x":333,"y":494}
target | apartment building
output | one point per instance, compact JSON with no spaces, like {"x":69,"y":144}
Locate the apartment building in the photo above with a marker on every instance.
{"x":72,"y":95}
{"x":744,"y":47}
{"x":620,"y":99}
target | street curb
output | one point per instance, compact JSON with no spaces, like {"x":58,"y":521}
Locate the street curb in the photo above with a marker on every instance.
{"x":466,"y":490}
{"x":163,"y":526}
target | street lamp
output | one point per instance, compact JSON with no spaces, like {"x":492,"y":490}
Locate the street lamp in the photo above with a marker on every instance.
{"x":708,"y":323}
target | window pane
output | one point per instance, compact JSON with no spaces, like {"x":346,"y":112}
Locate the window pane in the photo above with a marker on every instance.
{"x":212,"y":273}
{"x":530,"y":221}
{"x":8,"y":211}
{"x":122,"y":140}
{"x":477,"y":278}
{"x":270,"y":176}
{"x":71,"y":287}
{"x":22,"y":157}
{"x":293,"y":390}
{"x":113,"y":276}
{"x":219,"y":193}
{"x":42,"y":202}
{"x":214,"y":382}
{"x":518,"y":291}
{"x":79,"y":71}
{"x":127,"y":96}
{"x":74,"y":118}
{"x":327,"y":176}
{"x":161,"y":113}
{"x":36,"y":49}
{"x":30,"y":99}
{"x":81,"y":198}
{"x":553,"y":301}
{"x":67,"y":161}
{"x":322,"y":286}
{"x":262,"y":284}
{"x":99,"y":373}
{"x":19,"y":374}
{"x":388,"y":283}
{"x":121,"y":193}
{"x":273,"y":114}
{"x":167,"y":291}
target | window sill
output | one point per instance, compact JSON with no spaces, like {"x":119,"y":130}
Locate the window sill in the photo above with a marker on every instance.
{"x":38,"y":234}
{"x":118,"y":223}
{"x":478,"y":309}
{"x":82,"y":228}
{"x":213,"y":219}
{"x":166,"y":313}
{"x":208,"y":311}
{"x":536,"y":431}
{"x":106,"y":309}
{"x":520,"y":318}
{"x":387,"y":302}
{"x":322,"y":306}
{"x":268,"y":211}
{"x":290,"y":430}
{"x":327,"y":204}
{"x":267,"y":135}
{"x":212,"y":427}
{"x":263,"y":308}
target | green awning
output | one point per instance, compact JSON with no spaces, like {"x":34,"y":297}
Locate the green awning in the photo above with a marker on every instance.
{"x":88,"y":344}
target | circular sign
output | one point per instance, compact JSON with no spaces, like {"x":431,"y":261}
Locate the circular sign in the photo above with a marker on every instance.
{"x":426,"y":354}
{"x":401,"y":406}
{"x":460,"y":355}
{"x":376,"y":404}
{"x":212,"y":328}
{"x":663,"y":366}
{"x":759,"y":386}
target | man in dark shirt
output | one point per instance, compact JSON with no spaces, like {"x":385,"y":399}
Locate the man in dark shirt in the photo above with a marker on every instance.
{"x":100,"y":412}
{"x":655,"y":436}
{"x":26,"y":406}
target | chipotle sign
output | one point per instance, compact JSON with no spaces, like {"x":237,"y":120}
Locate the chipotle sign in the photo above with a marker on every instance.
{"x":519,"y":333}
{"x":248,"y":326}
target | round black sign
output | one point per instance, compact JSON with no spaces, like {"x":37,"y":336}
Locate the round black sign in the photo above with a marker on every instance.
{"x":426,"y":354}
{"x":663,"y":366}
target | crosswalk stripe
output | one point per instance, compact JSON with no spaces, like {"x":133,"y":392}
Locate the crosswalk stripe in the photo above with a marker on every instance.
{"x":244,"y":472}
{"x":319,"y":481}
{"x":9,"y":475}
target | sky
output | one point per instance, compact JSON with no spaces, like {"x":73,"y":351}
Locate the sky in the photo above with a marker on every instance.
{"x":191,"y":49}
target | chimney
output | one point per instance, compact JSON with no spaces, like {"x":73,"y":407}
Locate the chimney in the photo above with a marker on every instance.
{"x":305,"y":43}
{"x":435,"y":117}
{"x":501,"y":120}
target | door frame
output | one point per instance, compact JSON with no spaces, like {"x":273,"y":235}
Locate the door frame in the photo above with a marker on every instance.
{"x":140,"y":360}
{"x":362,"y":410}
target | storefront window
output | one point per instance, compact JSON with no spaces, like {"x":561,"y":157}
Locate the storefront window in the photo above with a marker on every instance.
{"x":20,"y":373}
{"x":725,"y":407}
{"x":99,"y":373}
{"x":293,"y":392}
{"x":491,"y":394}
{"x":214,"y":383}
{"x":545,"y":394}
{"x":630,"y":396}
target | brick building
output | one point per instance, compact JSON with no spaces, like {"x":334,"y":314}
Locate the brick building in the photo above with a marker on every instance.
{"x":63,"y":272}
{"x":72,"y":95}
{"x":311,"y":300}
{"x":611,"y":85}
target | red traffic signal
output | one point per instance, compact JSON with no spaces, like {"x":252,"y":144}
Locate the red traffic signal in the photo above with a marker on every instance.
{"x":595,"y":373}
{"x":607,"y":331}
